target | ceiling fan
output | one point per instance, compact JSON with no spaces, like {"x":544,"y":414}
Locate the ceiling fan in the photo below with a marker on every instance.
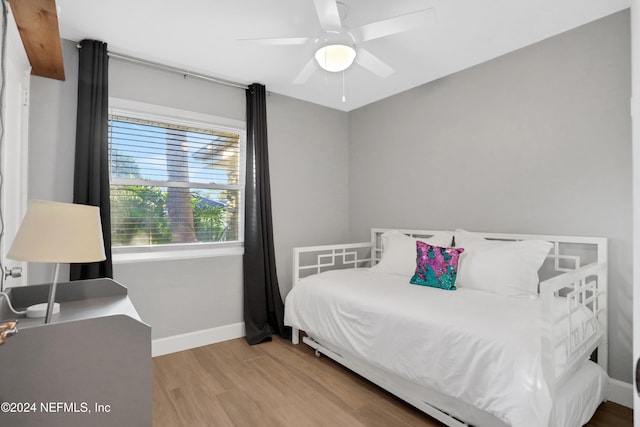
{"x":338,"y":47}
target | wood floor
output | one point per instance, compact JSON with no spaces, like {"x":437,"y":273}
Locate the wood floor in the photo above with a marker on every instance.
{"x":278,"y":384}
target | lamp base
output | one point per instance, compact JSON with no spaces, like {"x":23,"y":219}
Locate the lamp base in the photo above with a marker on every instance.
{"x":40,"y":310}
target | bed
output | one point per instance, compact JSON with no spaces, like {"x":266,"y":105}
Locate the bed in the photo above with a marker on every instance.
{"x":469,"y":355}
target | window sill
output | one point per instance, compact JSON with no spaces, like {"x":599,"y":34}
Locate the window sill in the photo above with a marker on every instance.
{"x":172,"y":255}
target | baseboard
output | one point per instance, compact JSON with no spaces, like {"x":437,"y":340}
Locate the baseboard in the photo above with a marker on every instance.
{"x":621,"y":393}
{"x":162,"y":346}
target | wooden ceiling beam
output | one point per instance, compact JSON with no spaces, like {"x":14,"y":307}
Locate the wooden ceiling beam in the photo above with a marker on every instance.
{"x":37,"y":22}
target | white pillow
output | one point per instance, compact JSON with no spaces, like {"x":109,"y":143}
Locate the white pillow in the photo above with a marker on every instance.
{"x":399,"y":251}
{"x":470,"y":238}
{"x":507,"y":268}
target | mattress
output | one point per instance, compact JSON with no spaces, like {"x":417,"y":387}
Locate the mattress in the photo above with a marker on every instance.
{"x":475,"y":347}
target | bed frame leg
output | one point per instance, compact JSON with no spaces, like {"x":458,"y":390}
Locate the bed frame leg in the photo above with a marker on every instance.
{"x":295,"y":336}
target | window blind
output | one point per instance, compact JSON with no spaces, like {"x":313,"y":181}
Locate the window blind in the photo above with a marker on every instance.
{"x":172,"y":183}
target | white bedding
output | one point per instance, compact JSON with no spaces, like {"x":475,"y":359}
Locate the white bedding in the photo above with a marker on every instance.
{"x":477,"y":347}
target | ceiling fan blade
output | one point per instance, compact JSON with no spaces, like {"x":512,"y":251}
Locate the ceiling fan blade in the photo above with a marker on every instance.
{"x":280,"y":41}
{"x":372,"y":63}
{"x":328,"y":15}
{"x":399,"y":24}
{"x":306,"y":72}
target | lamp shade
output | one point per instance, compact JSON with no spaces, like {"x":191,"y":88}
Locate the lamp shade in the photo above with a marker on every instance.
{"x":55,"y":232}
{"x":335,"y":57}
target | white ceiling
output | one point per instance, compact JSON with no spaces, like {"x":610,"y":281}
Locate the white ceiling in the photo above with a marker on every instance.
{"x":203,"y":36}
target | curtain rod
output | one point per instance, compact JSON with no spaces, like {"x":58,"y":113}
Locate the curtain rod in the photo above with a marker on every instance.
{"x":173,"y":69}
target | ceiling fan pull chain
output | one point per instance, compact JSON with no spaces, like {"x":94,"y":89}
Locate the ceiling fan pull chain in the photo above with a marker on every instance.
{"x":344,"y":98}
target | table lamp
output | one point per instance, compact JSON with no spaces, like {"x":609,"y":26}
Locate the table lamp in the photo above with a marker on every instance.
{"x":55,"y":232}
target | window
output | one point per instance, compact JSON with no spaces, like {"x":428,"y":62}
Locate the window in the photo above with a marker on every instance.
{"x":175,"y":183}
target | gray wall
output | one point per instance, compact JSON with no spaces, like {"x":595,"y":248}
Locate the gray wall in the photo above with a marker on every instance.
{"x":308,"y":157}
{"x":52,"y":141}
{"x":308,"y":164}
{"x":536,"y":141}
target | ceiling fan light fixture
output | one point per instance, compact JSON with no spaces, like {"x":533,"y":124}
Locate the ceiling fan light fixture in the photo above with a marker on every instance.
{"x":335,"y":57}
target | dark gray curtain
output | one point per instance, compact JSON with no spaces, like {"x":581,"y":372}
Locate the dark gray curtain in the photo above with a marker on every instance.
{"x":91,"y":178}
{"x":263,"y":307}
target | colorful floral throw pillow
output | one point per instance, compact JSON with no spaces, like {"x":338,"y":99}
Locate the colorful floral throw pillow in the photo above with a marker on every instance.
{"x":436,"y":266}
